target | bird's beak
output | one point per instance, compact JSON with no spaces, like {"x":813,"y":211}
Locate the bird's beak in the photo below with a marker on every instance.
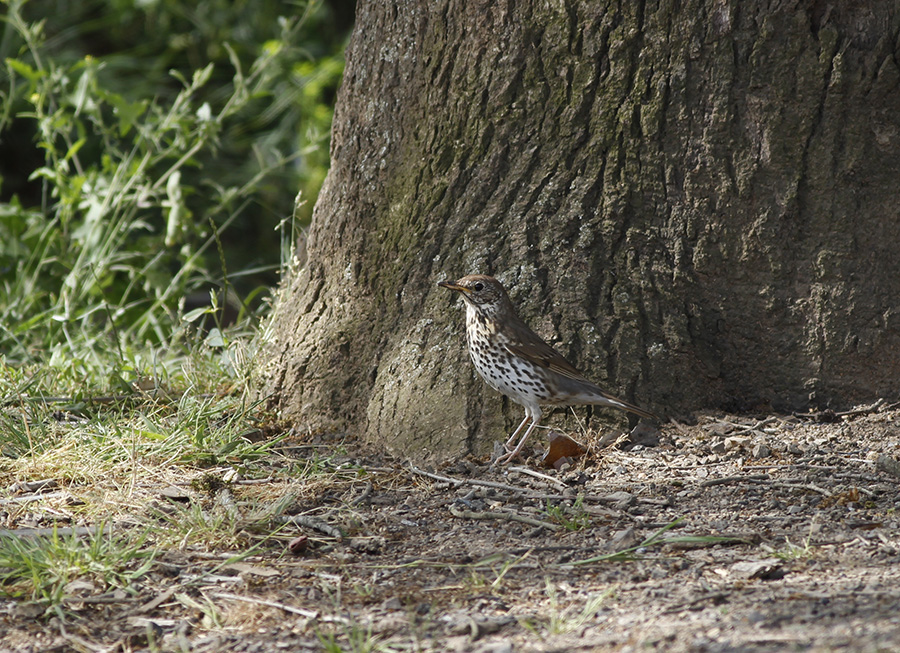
{"x":453,"y":286}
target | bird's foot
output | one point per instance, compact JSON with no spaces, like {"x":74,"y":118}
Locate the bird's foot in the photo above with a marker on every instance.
{"x":508,"y":457}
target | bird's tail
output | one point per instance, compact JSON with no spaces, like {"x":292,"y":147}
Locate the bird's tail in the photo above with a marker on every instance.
{"x":582,"y":391}
{"x":599,"y":397}
{"x":631,"y":408}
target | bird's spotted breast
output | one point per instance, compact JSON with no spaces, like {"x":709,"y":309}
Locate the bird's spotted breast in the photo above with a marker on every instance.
{"x":516,"y":378}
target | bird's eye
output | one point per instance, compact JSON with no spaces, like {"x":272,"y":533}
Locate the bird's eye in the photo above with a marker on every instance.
{"x":478,"y":287}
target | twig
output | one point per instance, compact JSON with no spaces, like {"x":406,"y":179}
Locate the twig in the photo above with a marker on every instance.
{"x":724,"y":480}
{"x":715,"y":597}
{"x":255,"y":481}
{"x":693,"y":542}
{"x":315,"y":523}
{"x":528,"y":493}
{"x":77,"y":531}
{"x":690,"y":468}
{"x":585,"y":498}
{"x":830,"y":415}
{"x":507,"y":516}
{"x":28,"y":498}
{"x":84,"y":644}
{"x":366,"y":493}
{"x":99,"y":600}
{"x":65,"y":400}
{"x":34,"y":486}
{"x":154,"y":603}
{"x":803,"y":486}
{"x":862,"y":411}
{"x":309,"y":614}
{"x":826,"y":468}
{"x":469,"y":481}
{"x":745,"y":428}
{"x":543,"y":477}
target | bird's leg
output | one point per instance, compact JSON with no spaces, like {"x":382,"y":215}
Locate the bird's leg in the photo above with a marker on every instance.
{"x":535,"y":415}
{"x":506,"y":458}
{"x":508,"y":445}
{"x":512,"y":438}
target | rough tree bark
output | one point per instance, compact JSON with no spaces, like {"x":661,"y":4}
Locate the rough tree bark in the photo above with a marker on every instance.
{"x":696,"y":202}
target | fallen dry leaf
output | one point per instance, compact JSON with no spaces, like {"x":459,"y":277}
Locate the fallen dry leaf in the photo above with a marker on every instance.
{"x":561,"y":446}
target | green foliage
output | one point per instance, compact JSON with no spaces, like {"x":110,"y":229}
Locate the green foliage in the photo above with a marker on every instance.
{"x":573,"y":518}
{"x":205,"y":431}
{"x":43,"y":569}
{"x":146,"y":136}
{"x":150,"y":150}
{"x":81,"y":414}
{"x":562,"y":621}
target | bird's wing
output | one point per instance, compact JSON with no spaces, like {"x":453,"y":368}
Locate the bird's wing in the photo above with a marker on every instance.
{"x":531,"y":347}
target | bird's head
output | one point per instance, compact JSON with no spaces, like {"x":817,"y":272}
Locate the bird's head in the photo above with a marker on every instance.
{"x":481,"y":292}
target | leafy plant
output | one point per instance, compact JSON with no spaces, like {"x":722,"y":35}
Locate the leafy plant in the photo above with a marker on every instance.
{"x":804,"y":551}
{"x":574,"y":518}
{"x":138,"y":171}
{"x":562,"y":621}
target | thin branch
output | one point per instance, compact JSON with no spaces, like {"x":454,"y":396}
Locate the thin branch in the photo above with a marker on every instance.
{"x":315,"y":523}
{"x":469,"y":481}
{"x":724,"y":480}
{"x":309,"y":614}
{"x":543,"y":477}
{"x":505,"y":516}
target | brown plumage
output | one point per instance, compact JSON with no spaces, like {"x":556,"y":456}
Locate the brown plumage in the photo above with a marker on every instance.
{"x":515,"y":361}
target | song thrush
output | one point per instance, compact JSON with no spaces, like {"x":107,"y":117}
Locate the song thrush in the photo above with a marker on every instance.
{"x":513,"y":359}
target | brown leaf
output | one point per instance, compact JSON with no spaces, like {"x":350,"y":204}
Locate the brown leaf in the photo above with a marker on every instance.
{"x":561,"y":446}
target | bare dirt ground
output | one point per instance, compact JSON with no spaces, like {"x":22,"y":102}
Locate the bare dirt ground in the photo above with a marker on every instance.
{"x":732,"y":534}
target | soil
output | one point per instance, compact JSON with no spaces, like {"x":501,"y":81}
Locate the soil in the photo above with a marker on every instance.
{"x":731,"y":534}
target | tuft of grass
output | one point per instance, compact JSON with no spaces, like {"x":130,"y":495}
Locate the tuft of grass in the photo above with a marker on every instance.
{"x":479,"y":579}
{"x":354,"y":638}
{"x":804,"y":551}
{"x":791,"y":551}
{"x":219,"y":524}
{"x":115,"y":444}
{"x":44,"y":569}
{"x":574,"y":518}
{"x":563,"y":621}
{"x":216,"y":527}
{"x":109,"y":384}
{"x":213,"y":618}
{"x":206,"y":431}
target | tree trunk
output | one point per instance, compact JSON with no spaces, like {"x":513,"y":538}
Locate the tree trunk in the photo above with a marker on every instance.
{"x":696,"y":203}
